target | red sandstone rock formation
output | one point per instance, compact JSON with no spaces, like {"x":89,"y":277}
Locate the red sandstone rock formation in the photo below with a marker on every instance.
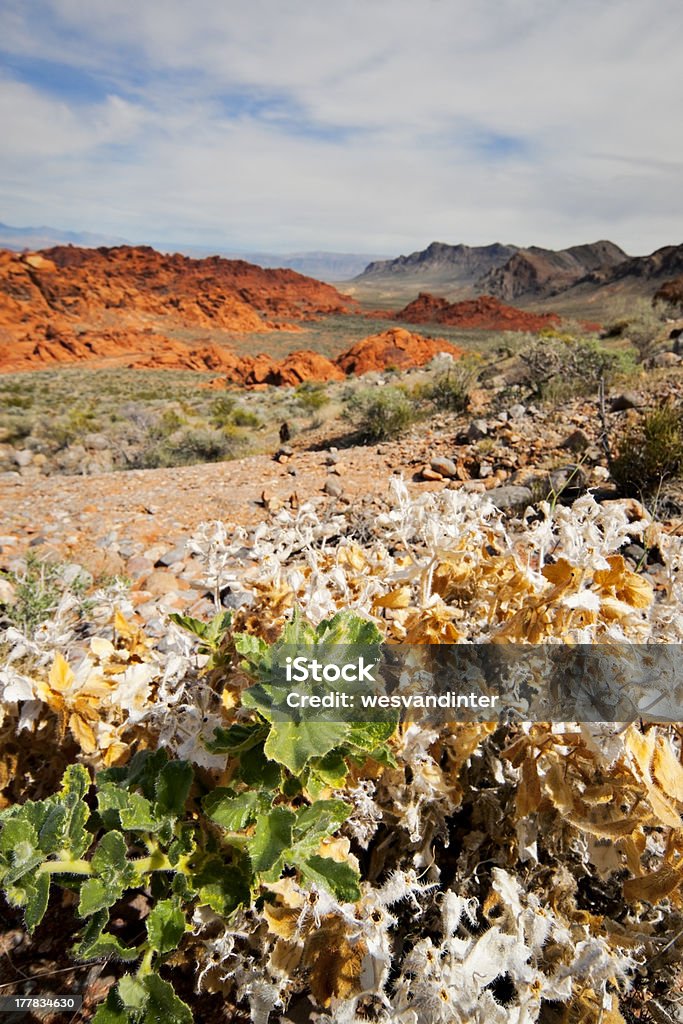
{"x":71,"y":303}
{"x":484,"y":312}
{"x":397,"y":348}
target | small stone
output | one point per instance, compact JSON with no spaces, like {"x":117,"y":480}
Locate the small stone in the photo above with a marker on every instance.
{"x":24,"y":457}
{"x":577,"y":441}
{"x":634,"y":552}
{"x":173,"y":555}
{"x":485,"y":470}
{"x":75,"y":573}
{"x":510,"y":496}
{"x":96,"y":442}
{"x":626,"y":400}
{"x":161,"y":582}
{"x":332,"y":458}
{"x":477,"y":430}
{"x":474,"y":486}
{"x":666,"y":359}
{"x":515,"y":412}
{"x":444,"y":466}
{"x":427,"y":473}
{"x":139,"y":566}
{"x":8,"y":594}
{"x":333,"y":487}
{"x":567,"y":478}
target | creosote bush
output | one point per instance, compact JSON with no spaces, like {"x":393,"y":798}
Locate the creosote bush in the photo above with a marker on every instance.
{"x":559,"y":366}
{"x":383,"y":414}
{"x":650,"y":452}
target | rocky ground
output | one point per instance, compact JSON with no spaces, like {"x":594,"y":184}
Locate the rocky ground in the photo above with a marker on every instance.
{"x":136,"y":524}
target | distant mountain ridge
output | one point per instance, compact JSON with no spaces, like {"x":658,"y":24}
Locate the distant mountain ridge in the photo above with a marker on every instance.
{"x":539,"y":273}
{"x":325,"y":266}
{"x":465,"y":264}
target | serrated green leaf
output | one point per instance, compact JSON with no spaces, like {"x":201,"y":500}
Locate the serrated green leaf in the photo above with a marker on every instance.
{"x":273,"y":835}
{"x":221,"y":886}
{"x":346,"y":628}
{"x":114,"y":874}
{"x":141,"y":772}
{"x":370,"y":735}
{"x":37,"y":893}
{"x":138,"y":815}
{"x":133,"y":992}
{"x":19,"y":849}
{"x":172,"y":788}
{"x":112,"y":1010}
{"x":165,"y":926}
{"x":95,"y":943}
{"x":237,"y":739}
{"x":163,"y":1004}
{"x":293,"y":744}
{"x":230,"y":811}
{"x":329,"y":771}
{"x":319,"y":820}
{"x":189,"y":623}
{"x":336,"y":876}
{"x":256,"y":770}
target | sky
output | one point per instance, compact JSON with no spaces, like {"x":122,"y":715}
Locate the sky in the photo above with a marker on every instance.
{"x":344,"y":125}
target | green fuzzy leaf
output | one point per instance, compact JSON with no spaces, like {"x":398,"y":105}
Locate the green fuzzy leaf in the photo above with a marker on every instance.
{"x":141,"y":772}
{"x":256,"y":770}
{"x":369,"y":735}
{"x":172,"y":788}
{"x":230,"y":811}
{"x":95,"y":943}
{"x":31,"y":893}
{"x":19,"y":849}
{"x":237,"y":739}
{"x":221,"y":886}
{"x":272,"y":837}
{"x":293,"y":744}
{"x":165,"y":926}
{"x":340,"y":878}
{"x":164,"y":1006}
{"x":346,"y":628}
{"x":138,"y":815}
{"x":319,"y":820}
{"x":133,"y":992}
{"x":114,"y":874}
{"x":328,"y":771}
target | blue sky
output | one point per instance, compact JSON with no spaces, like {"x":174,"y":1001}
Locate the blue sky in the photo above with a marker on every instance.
{"x":352,"y":125}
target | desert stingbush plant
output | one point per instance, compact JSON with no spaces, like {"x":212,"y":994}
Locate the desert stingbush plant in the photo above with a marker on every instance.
{"x":383,"y":413}
{"x":219,"y":849}
{"x":650,"y":452}
{"x":559,"y":365}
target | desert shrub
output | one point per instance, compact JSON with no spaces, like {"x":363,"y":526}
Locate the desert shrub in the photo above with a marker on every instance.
{"x":189,"y":446}
{"x":64,"y":430}
{"x":222,"y":410}
{"x":311,"y":396}
{"x":246,"y":418}
{"x":650,"y":452}
{"x":450,"y":389}
{"x":558,"y":367}
{"x":642,"y":324}
{"x":14,"y":426}
{"x":383,"y":414}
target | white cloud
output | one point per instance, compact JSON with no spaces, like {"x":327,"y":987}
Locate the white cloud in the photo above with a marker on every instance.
{"x":375,"y":125}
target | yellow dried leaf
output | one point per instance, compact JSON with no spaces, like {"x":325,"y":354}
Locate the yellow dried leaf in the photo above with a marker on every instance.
{"x":335,"y":962}
{"x":399,"y":598}
{"x":667,"y":769}
{"x":561,"y":573}
{"x":529,"y":789}
{"x":654,"y":887}
{"x":83,"y":734}
{"x":61,"y":677}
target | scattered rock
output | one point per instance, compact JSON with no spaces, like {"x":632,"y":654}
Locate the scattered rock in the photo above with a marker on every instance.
{"x":570,"y":479}
{"x":577,"y":441}
{"x":427,"y":473}
{"x":626,"y":400}
{"x":24,"y":457}
{"x":515,"y":412}
{"x":173,"y":555}
{"x":8,"y":594}
{"x":161,"y":582}
{"x":444,"y":466}
{"x":510,"y":496}
{"x":333,"y":487}
{"x":477,"y":430}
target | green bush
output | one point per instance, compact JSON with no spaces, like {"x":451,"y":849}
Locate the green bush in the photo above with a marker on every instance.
{"x":383,"y":414}
{"x":650,"y":452}
{"x":311,"y":396}
{"x":560,"y":367}
{"x":190,"y":446}
{"x":450,"y":389}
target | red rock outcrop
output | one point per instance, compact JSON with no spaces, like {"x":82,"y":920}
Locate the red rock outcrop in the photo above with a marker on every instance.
{"x":397,"y":348}
{"x":101,"y":301}
{"x":485,"y":312}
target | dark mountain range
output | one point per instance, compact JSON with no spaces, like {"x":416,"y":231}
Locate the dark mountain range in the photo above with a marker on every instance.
{"x":536,"y":273}
{"x":457,"y":264}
